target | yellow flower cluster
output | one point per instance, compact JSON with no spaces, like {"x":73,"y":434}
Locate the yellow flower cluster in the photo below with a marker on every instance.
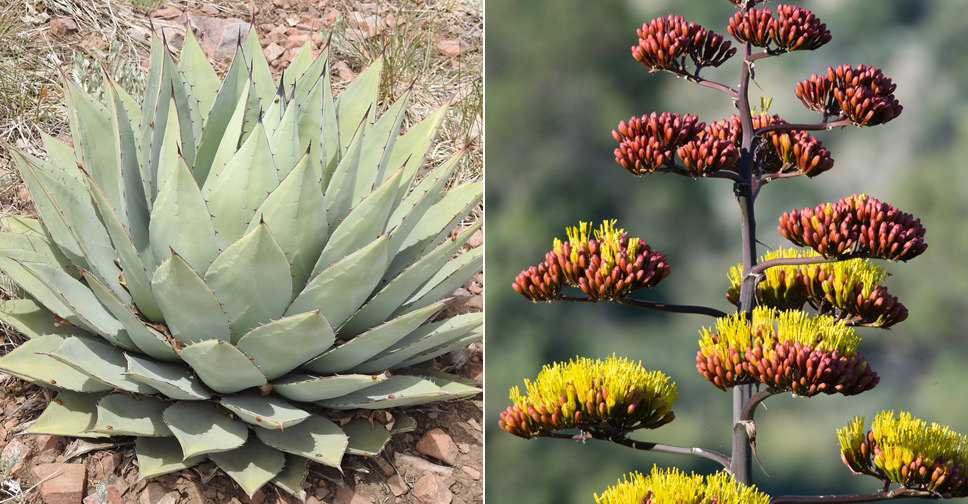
{"x":909,"y":452}
{"x":846,"y":289}
{"x":786,"y":351}
{"x":585,"y":393}
{"x":674,"y":487}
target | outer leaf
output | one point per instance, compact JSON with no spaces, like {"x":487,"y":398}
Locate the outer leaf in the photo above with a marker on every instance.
{"x":292,"y":477}
{"x":365,"y":221}
{"x":434,"y":225}
{"x":38,"y":289}
{"x":295,"y":212}
{"x":137,"y":280}
{"x":370,"y":343}
{"x":81,"y":301}
{"x":34,"y":320}
{"x":258,"y":67}
{"x":339,"y":290}
{"x":69,"y":414}
{"x":180,"y":220}
{"x":411,"y":148}
{"x":285,"y":141}
{"x":366,"y":438}
{"x":133,"y":212}
{"x":221,"y":366}
{"x":240,"y":187}
{"x":316,"y":438}
{"x":198,"y":72}
{"x":400,"y":390}
{"x":252,"y":281}
{"x":123,"y":415}
{"x":357,"y":102}
{"x":271,"y":345}
{"x":145,"y":338}
{"x":308,"y":388}
{"x":391,"y":297}
{"x":201,"y":428}
{"x":252,"y":465}
{"x":342,"y":181}
{"x":269,"y":412}
{"x":421,"y":197}
{"x":425,"y":338}
{"x":100,"y":361}
{"x":157,"y":456}
{"x":91,"y":124}
{"x":223,"y":125}
{"x":191,"y":309}
{"x":30,"y":362}
{"x":66,"y":209}
{"x":377,"y":146}
{"x":454,"y":274}
{"x":173,"y":380}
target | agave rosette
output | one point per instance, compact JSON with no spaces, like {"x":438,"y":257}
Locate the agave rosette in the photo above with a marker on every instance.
{"x":216,"y":267}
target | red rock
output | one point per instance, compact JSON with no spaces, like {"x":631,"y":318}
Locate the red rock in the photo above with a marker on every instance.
{"x":346,"y":495}
{"x":437,"y":444}
{"x":62,"y":483}
{"x":63,"y":26}
{"x":273,"y":51}
{"x":397,"y":485}
{"x":105,"y":463}
{"x":432,"y":489}
{"x":449,"y":47}
{"x":17,"y":449}
{"x":219,"y":37}
{"x":473,"y":473}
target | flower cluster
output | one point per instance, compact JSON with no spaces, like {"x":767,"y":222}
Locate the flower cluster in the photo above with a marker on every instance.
{"x":792,"y":29}
{"x":706,"y":154}
{"x":909,"y":452}
{"x":847,"y":290}
{"x":786,"y":351}
{"x":609,"y":266}
{"x":587,"y":394}
{"x":856,"y":225}
{"x":862,"y":95}
{"x":664,"y":44}
{"x":648,"y":143}
{"x":671,"y":485}
{"x":781,"y":150}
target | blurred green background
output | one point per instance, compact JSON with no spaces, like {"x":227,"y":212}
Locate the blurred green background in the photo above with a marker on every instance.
{"x":559,"y":78}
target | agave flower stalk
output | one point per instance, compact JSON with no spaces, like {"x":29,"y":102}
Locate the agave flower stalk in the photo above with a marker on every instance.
{"x":219,"y":265}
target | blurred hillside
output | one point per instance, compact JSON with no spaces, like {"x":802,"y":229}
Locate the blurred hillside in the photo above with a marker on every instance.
{"x":559,"y":78}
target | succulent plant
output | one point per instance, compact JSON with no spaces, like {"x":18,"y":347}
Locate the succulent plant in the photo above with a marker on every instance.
{"x":217,"y":268}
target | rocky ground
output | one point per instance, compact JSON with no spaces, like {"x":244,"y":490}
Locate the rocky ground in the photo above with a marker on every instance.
{"x":435,"y":46}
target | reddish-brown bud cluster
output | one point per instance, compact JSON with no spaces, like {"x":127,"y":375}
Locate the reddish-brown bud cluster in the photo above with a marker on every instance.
{"x":542,"y":282}
{"x":665,"y":42}
{"x":857,"y":225}
{"x":788,"y":366}
{"x":781,"y":150}
{"x":797,"y":148}
{"x":707,"y":154}
{"x":649,"y":142}
{"x":862,"y":95}
{"x":792,"y":29}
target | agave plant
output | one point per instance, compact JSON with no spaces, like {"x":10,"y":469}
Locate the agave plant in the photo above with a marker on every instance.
{"x":216,"y":269}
